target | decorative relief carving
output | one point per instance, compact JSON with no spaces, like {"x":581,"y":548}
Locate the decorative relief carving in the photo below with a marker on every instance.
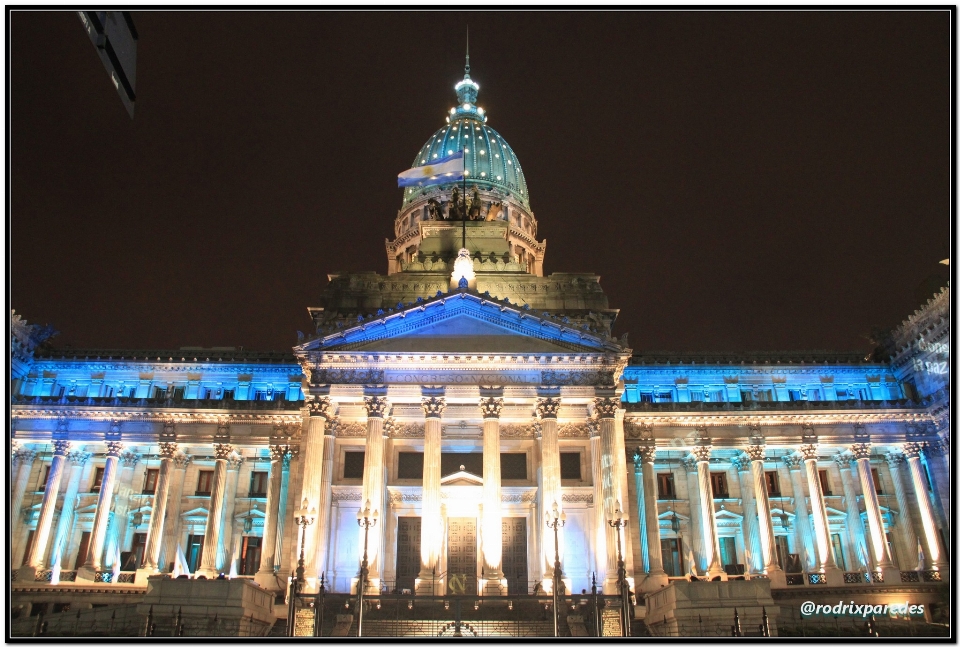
{"x":351,"y":430}
{"x":571,"y":430}
{"x":756,"y":452}
{"x":181,"y":461}
{"x":376,"y":406}
{"x":793,"y":461}
{"x":407,"y":430}
{"x":809,"y":451}
{"x":491,"y":407}
{"x":433,"y":407}
{"x":577,"y":378}
{"x":647,"y":454}
{"x":389,"y":426}
{"x":702,"y":453}
{"x":168,"y":450}
{"x":586,"y":497}
{"x":910,"y":450}
{"x":346,"y":495}
{"x":606,"y":407}
{"x":516,"y":431}
{"x":222,"y":451}
{"x":169,"y":433}
{"x":637,"y":430}
{"x":895,"y":459}
{"x":405,"y":497}
{"x":548,"y":407}
{"x":345,"y":376}
{"x":129,"y":459}
{"x":321,"y":407}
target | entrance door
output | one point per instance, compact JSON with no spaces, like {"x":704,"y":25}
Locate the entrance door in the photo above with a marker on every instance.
{"x":82,"y":552}
{"x":408,"y":552}
{"x":462,"y":555}
{"x":515,"y":554}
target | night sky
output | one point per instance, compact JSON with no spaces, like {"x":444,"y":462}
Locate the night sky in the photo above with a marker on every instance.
{"x":739,"y":180}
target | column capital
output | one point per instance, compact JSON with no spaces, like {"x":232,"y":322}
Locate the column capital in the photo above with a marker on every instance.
{"x":222,"y":451}
{"x":78,"y":458}
{"x":288,"y":456}
{"x":843,"y":459}
{"x":169,"y":433}
{"x":114,"y":448}
{"x":168,"y":450}
{"x":895,"y":459}
{"x":606,"y":407}
{"x":234,"y":461}
{"x":793,"y":461}
{"x":322,"y":407}
{"x":647,"y":453}
{"x":548,"y":407}
{"x":861,"y":451}
{"x":376,"y":406}
{"x":701,"y":453}
{"x":809,"y":451}
{"x":911,"y":450}
{"x":741,"y":462}
{"x":756,"y":452}
{"x":25,"y":455}
{"x":690,"y":463}
{"x":129,"y":459}
{"x":61,"y":447}
{"x":433,"y":407}
{"x":491,"y":407}
{"x":181,"y":460}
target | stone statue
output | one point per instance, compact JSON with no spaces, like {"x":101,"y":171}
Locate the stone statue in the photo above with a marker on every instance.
{"x":475,"y":205}
{"x":493,"y":212}
{"x":456,"y":212}
{"x":435,"y":209}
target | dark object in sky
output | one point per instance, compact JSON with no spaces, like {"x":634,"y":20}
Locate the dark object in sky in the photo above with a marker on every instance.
{"x":115,"y":37}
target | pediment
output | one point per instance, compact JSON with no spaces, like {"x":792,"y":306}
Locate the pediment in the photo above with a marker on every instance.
{"x":461,"y":478}
{"x":465,"y":322}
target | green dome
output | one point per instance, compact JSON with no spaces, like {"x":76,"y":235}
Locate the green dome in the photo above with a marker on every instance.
{"x":489,"y":161}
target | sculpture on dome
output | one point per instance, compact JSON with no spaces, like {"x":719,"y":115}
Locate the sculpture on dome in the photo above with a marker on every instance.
{"x":475,"y":205}
{"x":435,"y":209}
{"x":457,"y":207}
{"x":493,"y":212}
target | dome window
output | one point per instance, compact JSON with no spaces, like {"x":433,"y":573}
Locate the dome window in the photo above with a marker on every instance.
{"x":466,"y":150}
{"x":499,"y":178}
{"x":483,"y":174}
{"x":483,"y":152}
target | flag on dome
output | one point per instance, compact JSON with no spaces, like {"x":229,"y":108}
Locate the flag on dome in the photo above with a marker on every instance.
{"x":439,"y":171}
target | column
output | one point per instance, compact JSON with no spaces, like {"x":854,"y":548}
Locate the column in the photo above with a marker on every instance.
{"x":61,"y":539}
{"x":877,"y":538}
{"x":708,"y":517}
{"x":431,"y":521}
{"x":318,"y":412}
{"x":641,"y":511}
{"x":698,"y":561}
{"x":826,"y":561}
{"x":657,"y":576}
{"x":47,"y":507}
{"x":764,"y":521}
{"x":325,"y":510}
{"x":171,"y":532}
{"x":282,"y":515}
{"x":492,"y":521}
{"x":119,"y":520}
{"x":751,"y":521}
{"x":908,"y":538}
{"x":211,"y":535}
{"x":225,"y":551}
{"x":24,"y":463}
{"x":265,"y":576}
{"x":599,"y":518}
{"x":856,"y":535}
{"x":933,"y":550}
{"x":801,"y":518}
{"x":606,"y":409}
{"x":158,"y":511}
{"x":937,"y":455}
{"x":547,"y":409}
{"x":94,"y":558}
{"x":373,"y":468}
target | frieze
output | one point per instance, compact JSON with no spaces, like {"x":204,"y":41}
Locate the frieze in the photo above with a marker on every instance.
{"x":518,"y":497}
{"x":346,"y":376}
{"x":516,"y":431}
{"x":571,"y":430}
{"x":342,"y":494}
{"x":351,"y":430}
{"x":586,"y":497}
{"x":637,"y":430}
{"x":577,"y":378}
{"x":406,"y":430}
{"x":405,"y":497}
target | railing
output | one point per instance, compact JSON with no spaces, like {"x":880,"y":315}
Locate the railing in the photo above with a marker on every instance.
{"x":816,"y":578}
{"x":852,"y":578}
{"x":909,"y":576}
{"x":795,"y":579}
{"x":932,"y":576}
{"x":240,"y":405}
{"x":769,"y":405}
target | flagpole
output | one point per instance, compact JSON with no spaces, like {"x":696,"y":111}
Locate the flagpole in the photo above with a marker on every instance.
{"x":464,"y":214}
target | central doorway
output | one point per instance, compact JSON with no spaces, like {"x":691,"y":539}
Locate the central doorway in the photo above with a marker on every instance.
{"x":515,"y":554}
{"x":408,"y":552}
{"x":462,"y":555}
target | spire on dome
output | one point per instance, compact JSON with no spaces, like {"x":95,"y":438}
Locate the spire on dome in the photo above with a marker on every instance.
{"x":466,"y":68}
{"x":467,"y":89}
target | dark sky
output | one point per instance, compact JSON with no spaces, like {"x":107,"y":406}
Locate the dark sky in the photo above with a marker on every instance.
{"x":739,"y":180}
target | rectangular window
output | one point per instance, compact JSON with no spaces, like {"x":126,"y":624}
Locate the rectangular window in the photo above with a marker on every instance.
{"x":159,"y":393}
{"x":782,"y":551}
{"x":570,"y":466}
{"x":194,"y":551}
{"x":838,"y":551}
{"x":813,"y":395}
{"x":746,"y":396}
{"x":410,"y":466}
{"x":841,"y":394}
{"x":204,"y":483}
{"x":452,"y":462}
{"x":672,"y":552}
{"x":514,"y":466}
{"x":825,"y":482}
{"x":719,"y":482}
{"x":228,"y":394}
{"x":794,"y":395}
{"x":696,"y":396}
{"x":258,"y":484}
{"x":44,"y":475}
{"x":664,"y":396}
{"x":353,"y":465}
{"x":646,"y":397}
{"x":178,"y":393}
{"x":137,"y":549}
{"x":82,"y":550}
{"x":773,"y":484}
{"x":876,"y":480}
{"x":728,"y":551}
{"x":150,"y":481}
{"x":97,"y":479}
{"x":262,"y":394}
{"x":665,"y":487}
{"x":250,"y":555}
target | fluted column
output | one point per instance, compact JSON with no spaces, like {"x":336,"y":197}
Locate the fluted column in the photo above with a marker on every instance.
{"x":856,"y":534}
{"x":934,"y":551}
{"x":641,"y":511}
{"x":211,"y":535}
{"x":119,"y":520}
{"x":373,"y":467}
{"x":821,"y":525}
{"x":657,"y":577}
{"x":61,"y":539}
{"x":751,"y":520}
{"x":492,"y":523}
{"x":801,"y":517}
{"x":599,"y":519}
{"x":94,"y":558}
{"x":24,"y":464}
{"x":909,"y":558}
{"x":877,"y":538}
{"x":158,"y":512}
{"x":708,"y":517}
{"x":764,"y":520}
{"x":325,"y":509}
{"x":47,"y":507}
{"x":698,"y":561}
{"x":431,"y":522}
{"x":606,"y":409}
{"x":282,"y":515}
{"x":225,"y":550}
{"x":547,"y":410}
{"x":268,"y":553}
{"x":319,"y":411}
{"x":171,"y":532}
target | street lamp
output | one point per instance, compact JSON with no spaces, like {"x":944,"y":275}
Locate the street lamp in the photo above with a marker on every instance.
{"x":617,"y":522}
{"x":303,"y":518}
{"x":366,"y":520}
{"x":555,"y":520}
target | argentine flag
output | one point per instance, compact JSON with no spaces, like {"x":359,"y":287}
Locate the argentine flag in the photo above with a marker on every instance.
{"x":439,"y":171}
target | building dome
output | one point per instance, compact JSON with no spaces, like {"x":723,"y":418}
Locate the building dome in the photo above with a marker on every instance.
{"x":489,"y":162}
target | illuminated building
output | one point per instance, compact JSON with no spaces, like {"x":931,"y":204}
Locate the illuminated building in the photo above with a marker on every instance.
{"x":463,"y":399}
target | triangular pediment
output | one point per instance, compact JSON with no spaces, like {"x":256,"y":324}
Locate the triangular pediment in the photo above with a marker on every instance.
{"x":461,"y":478}
{"x":464,"y":322}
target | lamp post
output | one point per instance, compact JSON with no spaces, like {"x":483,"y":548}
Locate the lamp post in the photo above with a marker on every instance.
{"x":366,"y":520}
{"x":617,"y":522}
{"x":304,"y":518}
{"x":555,"y":520}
